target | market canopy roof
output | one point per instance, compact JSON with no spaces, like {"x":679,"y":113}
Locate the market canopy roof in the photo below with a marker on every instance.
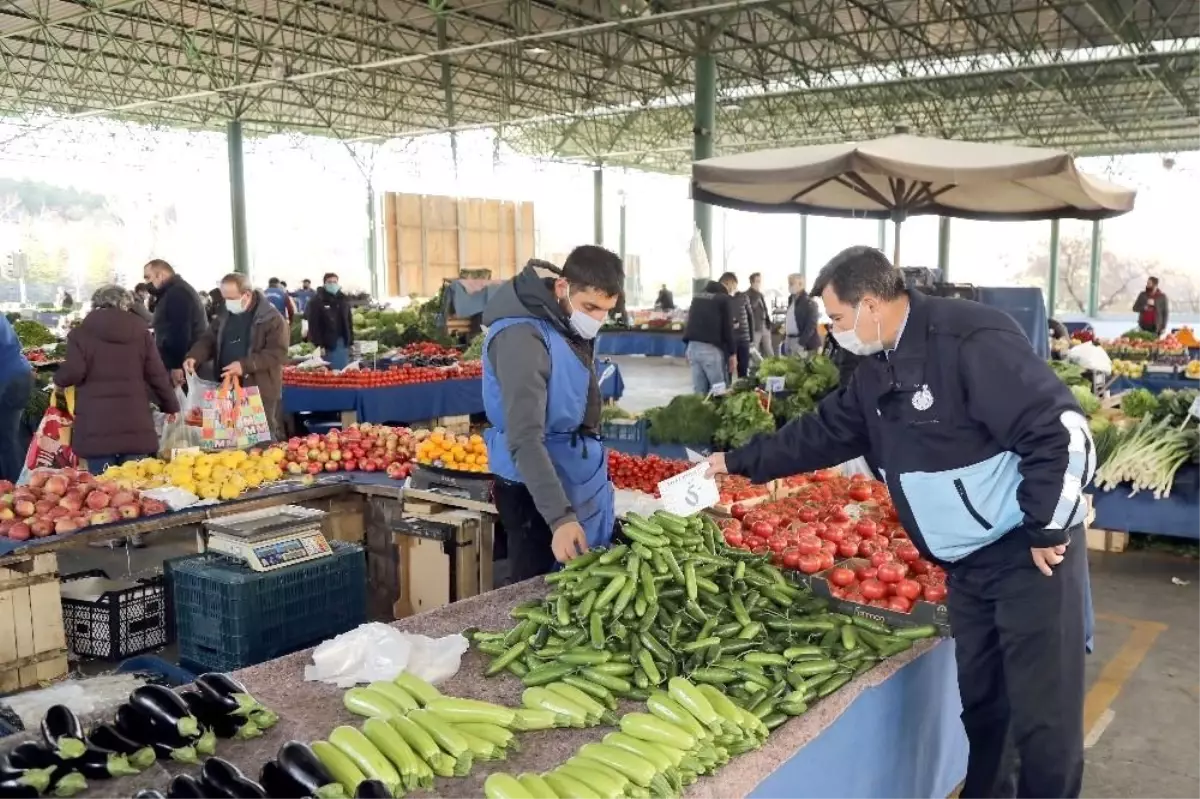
{"x":613,"y":80}
{"x":901,"y":175}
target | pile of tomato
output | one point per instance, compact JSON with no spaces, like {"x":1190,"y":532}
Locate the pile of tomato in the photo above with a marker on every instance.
{"x":428,"y":349}
{"x":831,"y":519}
{"x":379,"y":378}
{"x":642,"y":474}
{"x":735,"y":488}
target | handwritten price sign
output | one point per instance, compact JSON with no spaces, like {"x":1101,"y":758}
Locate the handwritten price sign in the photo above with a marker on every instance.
{"x":690,"y":492}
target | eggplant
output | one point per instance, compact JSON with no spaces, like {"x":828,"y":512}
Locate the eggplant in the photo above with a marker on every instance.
{"x":186,"y":786}
{"x":68,"y":784}
{"x":222,"y":724}
{"x":64,"y":779}
{"x":264,"y":718}
{"x":38,"y":778}
{"x":303,"y":767}
{"x":227,"y":693}
{"x":278,"y":784}
{"x":106,"y":737}
{"x":148,"y":794}
{"x":165,"y":709}
{"x":17,"y":790}
{"x":62,"y":731}
{"x":166,"y":743}
{"x":372,"y":789}
{"x":98,"y":764}
{"x":223,"y":779}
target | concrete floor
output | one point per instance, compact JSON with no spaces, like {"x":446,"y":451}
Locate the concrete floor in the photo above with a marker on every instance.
{"x":1143,"y":701}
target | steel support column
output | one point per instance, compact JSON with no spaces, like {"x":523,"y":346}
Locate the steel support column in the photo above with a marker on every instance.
{"x":883,"y":236}
{"x":237,"y":197}
{"x":598,"y":205}
{"x":804,"y":249}
{"x":372,"y":246}
{"x":447,"y":87}
{"x":705,"y":122}
{"x":944,"y":246}
{"x":1094,"y":273}
{"x":621,"y":229}
{"x":1052,"y":287}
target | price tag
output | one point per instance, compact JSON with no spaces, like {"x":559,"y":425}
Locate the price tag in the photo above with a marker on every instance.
{"x":368,"y":347}
{"x":690,"y":492}
{"x":1195,"y":409}
{"x":180,"y":451}
{"x":774,"y":385}
{"x":718,"y":389}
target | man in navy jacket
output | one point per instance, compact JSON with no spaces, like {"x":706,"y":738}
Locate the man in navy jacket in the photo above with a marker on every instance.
{"x":985,"y":453}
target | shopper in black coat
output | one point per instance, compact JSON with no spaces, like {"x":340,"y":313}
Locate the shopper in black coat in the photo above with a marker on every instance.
{"x":179,"y":316}
{"x":329,"y":327}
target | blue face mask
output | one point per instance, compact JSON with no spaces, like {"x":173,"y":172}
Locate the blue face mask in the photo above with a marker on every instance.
{"x":332,"y":288}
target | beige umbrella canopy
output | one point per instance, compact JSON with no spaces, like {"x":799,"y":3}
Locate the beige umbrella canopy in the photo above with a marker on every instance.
{"x":899,"y":176}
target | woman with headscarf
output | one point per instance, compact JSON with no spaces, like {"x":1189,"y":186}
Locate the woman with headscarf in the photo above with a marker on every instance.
{"x":116,"y":371}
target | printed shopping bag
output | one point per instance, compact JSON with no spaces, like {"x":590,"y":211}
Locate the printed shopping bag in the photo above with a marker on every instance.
{"x":51,"y":444}
{"x":233,"y":417}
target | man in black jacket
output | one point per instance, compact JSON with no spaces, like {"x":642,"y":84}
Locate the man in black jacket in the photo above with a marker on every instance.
{"x":742,"y":326}
{"x":179,"y":317}
{"x":800,"y":325}
{"x":329,"y":327}
{"x":709,"y":334}
{"x":986,"y":454}
{"x":760,"y":318}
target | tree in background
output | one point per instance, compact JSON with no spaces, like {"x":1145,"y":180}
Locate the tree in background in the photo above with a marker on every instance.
{"x":1121,"y":278}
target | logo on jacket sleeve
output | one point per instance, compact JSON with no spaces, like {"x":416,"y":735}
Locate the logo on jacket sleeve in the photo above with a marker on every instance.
{"x":923,"y":399}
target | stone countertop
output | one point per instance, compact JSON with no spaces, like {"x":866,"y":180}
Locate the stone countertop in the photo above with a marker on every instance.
{"x":310,"y":710}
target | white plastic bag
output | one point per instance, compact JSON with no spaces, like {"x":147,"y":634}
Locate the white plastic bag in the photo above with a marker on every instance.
{"x":313,"y":361}
{"x":856,"y":466}
{"x":1088,"y":356}
{"x":377,"y":651}
{"x":177,"y":434}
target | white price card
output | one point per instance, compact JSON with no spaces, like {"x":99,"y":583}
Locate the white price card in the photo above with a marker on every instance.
{"x":367,"y":347}
{"x":774,"y":385}
{"x":718,"y":389}
{"x":690,"y":492}
{"x":1195,"y":409}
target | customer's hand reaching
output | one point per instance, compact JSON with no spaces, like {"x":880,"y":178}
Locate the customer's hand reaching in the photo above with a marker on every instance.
{"x":569,"y":542}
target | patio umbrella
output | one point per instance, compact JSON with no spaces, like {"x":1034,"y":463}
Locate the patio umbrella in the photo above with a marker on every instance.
{"x":899,"y":176}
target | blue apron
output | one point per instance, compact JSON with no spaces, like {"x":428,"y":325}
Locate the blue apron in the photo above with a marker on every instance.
{"x":581,"y":462}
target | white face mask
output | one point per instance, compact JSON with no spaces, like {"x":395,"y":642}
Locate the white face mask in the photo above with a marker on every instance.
{"x":585,"y":325}
{"x":236,"y":306}
{"x":850,"y":342}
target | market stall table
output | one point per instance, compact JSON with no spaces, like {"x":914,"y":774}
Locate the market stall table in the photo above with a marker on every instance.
{"x":1153,"y":382}
{"x":1174,"y":515}
{"x":667,"y":344}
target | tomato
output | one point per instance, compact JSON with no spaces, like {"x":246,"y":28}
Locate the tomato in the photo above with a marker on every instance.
{"x":920,"y":566}
{"x":733,"y":538}
{"x":909,"y":589}
{"x":738,"y":511}
{"x":867,"y":548}
{"x":852,"y":595}
{"x":839,"y":515}
{"x":830,"y":547}
{"x":808,"y":544}
{"x":935,"y":592}
{"x":872,"y":589}
{"x":841,"y":576}
{"x":848,"y":549}
{"x":777,"y":543}
{"x":866,"y":573}
{"x":835,"y":533}
{"x":881,"y":557}
{"x":859,"y":493}
{"x":892,"y":572}
{"x":791,"y":558}
{"x":762,"y":530}
{"x":807,"y":515}
{"x":760,"y":549}
{"x":907,"y":553}
{"x":809,"y":564}
{"x":899,"y":604}
{"x":865,"y":528}
{"x":826,"y":559}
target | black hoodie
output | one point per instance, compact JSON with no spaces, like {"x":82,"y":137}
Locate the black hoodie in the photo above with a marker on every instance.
{"x":711,"y":318}
{"x":521,"y":362}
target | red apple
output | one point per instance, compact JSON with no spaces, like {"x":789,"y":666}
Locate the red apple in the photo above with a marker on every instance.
{"x":38,"y":478}
{"x":331,"y":466}
{"x":57,"y":512}
{"x":19,"y":532}
{"x":97,"y":500}
{"x":6,"y":487}
{"x":24,"y":508}
{"x":123,"y":498}
{"x":314,"y":468}
{"x":335,"y":455}
{"x":129,"y":510}
{"x":6,"y":513}
{"x":151,"y":507}
{"x":41,"y":528}
{"x":55,"y":485}
{"x":295,"y":468}
{"x":350,"y":465}
{"x":65,"y":526}
{"x":104,"y":516}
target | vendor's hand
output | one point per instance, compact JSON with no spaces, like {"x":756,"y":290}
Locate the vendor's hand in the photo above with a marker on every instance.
{"x":233,"y":370}
{"x":177,"y":377}
{"x":1046,"y":558}
{"x":569,"y":542}
{"x":189,"y":366}
{"x":716,"y":465}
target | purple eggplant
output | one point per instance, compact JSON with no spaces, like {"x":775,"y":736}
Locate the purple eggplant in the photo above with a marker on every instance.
{"x":167,"y":743}
{"x":165,"y":709}
{"x":62,"y":732}
{"x":106,"y":737}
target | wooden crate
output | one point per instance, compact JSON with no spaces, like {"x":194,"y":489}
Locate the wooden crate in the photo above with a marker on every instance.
{"x":33,"y":645}
{"x":444,"y":555}
{"x":459,"y":425}
{"x":345,"y":520}
{"x":1107,"y":540}
{"x":431,"y":238}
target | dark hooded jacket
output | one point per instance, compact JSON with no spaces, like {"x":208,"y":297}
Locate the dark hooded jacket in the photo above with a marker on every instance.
{"x":521,"y":361}
{"x":712,"y":318}
{"x":117,"y":372}
{"x":179,"y":320}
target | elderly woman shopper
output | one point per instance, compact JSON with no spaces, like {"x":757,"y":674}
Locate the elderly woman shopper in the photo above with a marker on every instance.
{"x":117,"y":372}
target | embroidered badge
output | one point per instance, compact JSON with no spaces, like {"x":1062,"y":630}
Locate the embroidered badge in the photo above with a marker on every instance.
{"x":923,"y":399}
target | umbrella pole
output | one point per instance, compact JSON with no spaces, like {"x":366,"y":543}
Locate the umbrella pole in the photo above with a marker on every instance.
{"x":896,"y":246}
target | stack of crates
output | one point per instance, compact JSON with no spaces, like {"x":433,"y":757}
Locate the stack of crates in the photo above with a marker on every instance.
{"x":626,"y":435}
{"x":228,"y":616}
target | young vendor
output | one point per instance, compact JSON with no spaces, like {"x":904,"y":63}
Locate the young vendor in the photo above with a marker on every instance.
{"x":541,"y":396}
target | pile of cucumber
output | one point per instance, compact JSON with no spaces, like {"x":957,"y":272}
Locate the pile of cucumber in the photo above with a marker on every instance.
{"x":671,"y":603}
{"x":690,"y":730}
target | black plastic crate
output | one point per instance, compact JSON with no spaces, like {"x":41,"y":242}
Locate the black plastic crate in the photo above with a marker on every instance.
{"x":120,"y":623}
{"x":228,"y":616}
{"x":626,"y":435}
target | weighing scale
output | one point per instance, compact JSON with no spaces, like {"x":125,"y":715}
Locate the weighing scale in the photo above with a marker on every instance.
{"x":270,"y":538}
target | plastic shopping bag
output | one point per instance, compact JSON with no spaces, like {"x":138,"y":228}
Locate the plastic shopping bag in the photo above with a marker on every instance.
{"x":192,"y":408}
{"x":177,"y":434}
{"x":51,"y":444}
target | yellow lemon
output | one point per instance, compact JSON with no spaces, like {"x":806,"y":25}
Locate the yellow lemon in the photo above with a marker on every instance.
{"x":230,"y":491}
{"x":208,"y":490}
{"x":254,"y":478}
{"x":186,"y":485}
{"x":272,"y":473}
{"x":202,"y":471}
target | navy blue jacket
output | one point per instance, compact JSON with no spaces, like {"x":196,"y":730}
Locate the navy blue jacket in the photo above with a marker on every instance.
{"x":974,"y":434}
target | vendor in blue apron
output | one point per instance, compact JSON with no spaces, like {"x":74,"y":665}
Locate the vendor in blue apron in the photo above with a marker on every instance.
{"x":551,"y":486}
